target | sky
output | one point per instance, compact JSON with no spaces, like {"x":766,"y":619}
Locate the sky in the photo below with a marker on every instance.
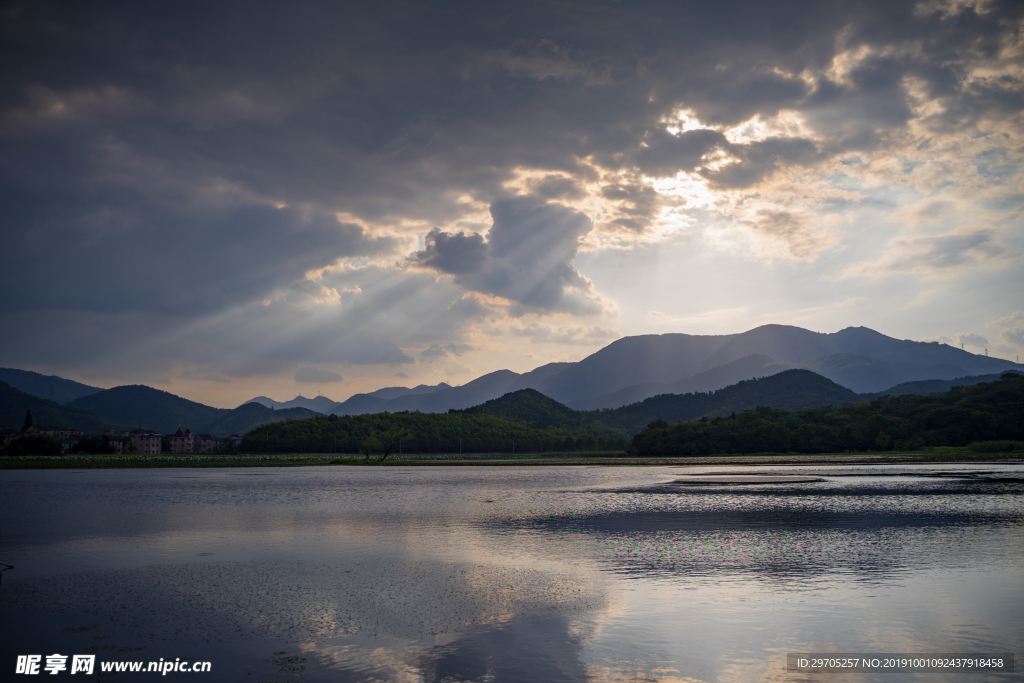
{"x":233,"y":199}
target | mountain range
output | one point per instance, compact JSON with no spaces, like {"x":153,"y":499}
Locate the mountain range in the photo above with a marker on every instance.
{"x":136,"y":406}
{"x":162,"y":411}
{"x":635,"y":368}
{"x":15,"y":403}
{"x":857,"y":358}
{"x":625,"y":373}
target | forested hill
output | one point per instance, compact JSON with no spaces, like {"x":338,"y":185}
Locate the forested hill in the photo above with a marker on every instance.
{"x":533,"y":407}
{"x":541,"y":423}
{"x":932,"y":386}
{"x":164,"y":412}
{"x":983,"y":412}
{"x":789,"y":390}
{"x":51,"y":387}
{"x":249,"y":415}
{"x":14,"y":403}
{"x":454,"y":432}
{"x":149,"y":408}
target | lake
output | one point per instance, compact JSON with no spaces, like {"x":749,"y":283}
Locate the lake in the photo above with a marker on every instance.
{"x":512,"y":573}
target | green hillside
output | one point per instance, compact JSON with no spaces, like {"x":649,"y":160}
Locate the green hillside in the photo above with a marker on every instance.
{"x":789,"y":390}
{"x":930,"y":386}
{"x":14,"y":403}
{"x":454,"y":432}
{"x":990,"y":411}
{"x":532,"y":407}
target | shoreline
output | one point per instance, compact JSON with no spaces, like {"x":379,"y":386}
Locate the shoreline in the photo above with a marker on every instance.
{"x":492,"y":460}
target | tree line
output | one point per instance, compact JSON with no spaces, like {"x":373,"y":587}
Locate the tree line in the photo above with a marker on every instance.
{"x":963,"y":415}
{"x":455,"y":432}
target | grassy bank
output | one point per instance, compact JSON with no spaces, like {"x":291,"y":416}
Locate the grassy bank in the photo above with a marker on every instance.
{"x":605,"y":458}
{"x":134,"y":460}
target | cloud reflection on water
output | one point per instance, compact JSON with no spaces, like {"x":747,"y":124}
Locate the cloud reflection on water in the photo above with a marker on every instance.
{"x":788,"y":534}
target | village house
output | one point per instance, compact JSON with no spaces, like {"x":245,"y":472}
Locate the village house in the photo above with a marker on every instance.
{"x":204,"y":443}
{"x":146,"y":442}
{"x":181,"y":442}
{"x":142,"y":441}
{"x":8,"y":436}
{"x":68,"y":434}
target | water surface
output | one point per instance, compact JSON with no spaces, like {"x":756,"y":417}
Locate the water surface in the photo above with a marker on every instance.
{"x":512,"y":573}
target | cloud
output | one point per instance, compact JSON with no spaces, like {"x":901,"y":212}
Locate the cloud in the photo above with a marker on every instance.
{"x":632,"y":205}
{"x":556,"y":187}
{"x":665,"y":154}
{"x":757,"y":160}
{"x":971,"y":339}
{"x":539,"y":333}
{"x":400,"y":375}
{"x":1011,"y":329}
{"x":543,"y":59}
{"x":527,"y":257}
{"x":394,"y":311}
{"x":445,"y":350}
{"x":455,"y":254}
{"x":950,"y":250}
{"x":932,"y":255}
{"x":189,"y":259}
{"x":317,"y":375}
{"x":794,"y":232}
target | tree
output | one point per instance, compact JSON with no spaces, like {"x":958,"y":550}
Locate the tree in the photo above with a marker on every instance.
{"x":369,"y":445}
{"x":28,"y":421}
{"x":38,"y":444}
{"x":95,"y":444}
{"x":390,"y":438}
{"x":14,"y":449}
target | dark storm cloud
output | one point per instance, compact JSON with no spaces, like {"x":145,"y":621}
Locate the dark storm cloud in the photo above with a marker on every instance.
{"x":145,"y":146}
{"x":127,"y":252}
{"x":544,"y":59}
{"x":666,"y":154}
{"x":455,"y":254}
{"x":757,"y":160}
{"x":526,"y":259}
{"x":556,"y":187}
